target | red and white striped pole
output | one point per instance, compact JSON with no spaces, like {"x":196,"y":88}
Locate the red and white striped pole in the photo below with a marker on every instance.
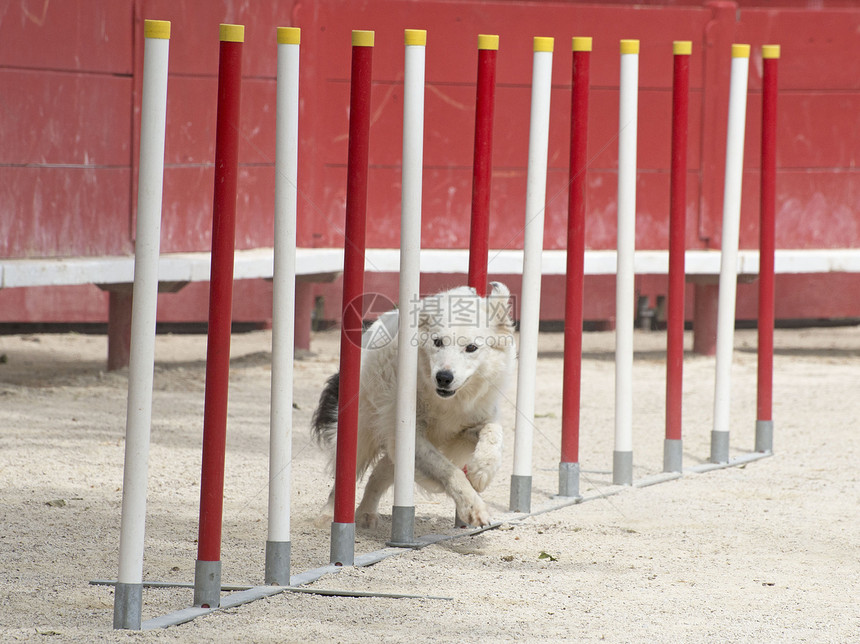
{"x":488,"y":47}
{"x":767,"y":246}
{"x":343,"y":525}
{"x":207,"y":573}
{"x":673,"y":447}
{"x":568,"y":472}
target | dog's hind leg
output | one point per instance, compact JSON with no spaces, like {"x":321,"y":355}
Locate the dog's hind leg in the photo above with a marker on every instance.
{"x":377,"y":484}
{"x":326,"y":515}
{"x":485,"y":462}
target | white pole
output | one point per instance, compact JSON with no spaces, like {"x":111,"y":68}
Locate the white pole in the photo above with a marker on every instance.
{"x":729,"y":256}
{"x":622,"y":458}
{"x":153,"y":119}
{"x":403,"y":513}
{"x":520,"y":498}
{"x":283,"y":306}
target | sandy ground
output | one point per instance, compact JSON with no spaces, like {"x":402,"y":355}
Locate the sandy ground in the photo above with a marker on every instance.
{"x":769,"y":551}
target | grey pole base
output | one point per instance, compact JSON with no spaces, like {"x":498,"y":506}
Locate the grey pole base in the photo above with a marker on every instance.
{"x":764,"y":436}
{"x":277,"y":563}
{"x":622,"y":468}
{"x":568,"y":479}
{"x":719,"y":447}
{"x":127,"y":602}
{"x":207,"y":584}
{"x":342,"y":544}
{"x":521,"y":493}
{"x":403,"y":527}
{"x":673,"y":455}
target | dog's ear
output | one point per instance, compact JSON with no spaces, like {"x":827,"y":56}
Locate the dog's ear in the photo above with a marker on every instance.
{"x":499,"y":305}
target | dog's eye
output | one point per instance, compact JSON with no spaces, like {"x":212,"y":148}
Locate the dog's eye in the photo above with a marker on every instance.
{"x":437,"y":342}
{"x":471,"y":348}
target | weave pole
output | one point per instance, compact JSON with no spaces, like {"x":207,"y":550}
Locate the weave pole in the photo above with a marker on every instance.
{"x":403,"y":511}
{"x":343,"y":525}
{"x":153,"y":118}
{"x":729,"y":252}
{"x":479,"y":246}
{"x":767,"y":246}
{"x":207,"y":570}
{"x":521,"y":479}
{"x":673,"y":445}
{"x":622,"y":457}
{"x":568,"y":469}
{"x":278,"y":541}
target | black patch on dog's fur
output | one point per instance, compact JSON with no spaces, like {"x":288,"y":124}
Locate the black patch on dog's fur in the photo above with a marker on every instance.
{"x":324,"y":421}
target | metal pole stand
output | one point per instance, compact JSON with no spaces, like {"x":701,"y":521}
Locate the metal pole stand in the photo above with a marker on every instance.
{"x":568,"y":479}
{"x":521,"y":493}
{"x":403,"y":528}
{"x":278,"y":563}
{"x":342,"y":544}
{"x":207,"y":584}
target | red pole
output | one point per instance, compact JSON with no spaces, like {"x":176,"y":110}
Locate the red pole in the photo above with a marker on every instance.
{"x":220,"y":306}
{"x":570,"y":410}
{"x":353,"y":278}
{"x":482,"y":165}
{"x":677,"y":238}
{"x":767,"y":245}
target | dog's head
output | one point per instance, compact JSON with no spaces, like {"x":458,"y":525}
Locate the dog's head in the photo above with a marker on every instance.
{"x":461,"y":334}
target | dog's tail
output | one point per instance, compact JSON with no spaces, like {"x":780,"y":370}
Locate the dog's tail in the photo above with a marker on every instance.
{"x":324,"y":421}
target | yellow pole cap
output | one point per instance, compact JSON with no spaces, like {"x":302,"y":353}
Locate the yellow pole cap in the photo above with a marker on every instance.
{"x":740,"y":51}
{"x":289,"y":36}
{"x":156,"y":29}
{"x":581,"y":43}
{"x":682,"y":47}
{"x":542,"y":43}
{"x":629,"y":46}
{"x":232,"y":33}
{"x":486,"y":41}
{"x":770,"y":51}
{"x":415,"y":37}
{"x":362,"y":38}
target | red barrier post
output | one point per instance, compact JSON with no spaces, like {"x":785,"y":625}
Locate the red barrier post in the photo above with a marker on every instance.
{"x":207,"y":577}
{"x":343,"y":526}
{"x":673,"y":451}
{"x":488,"y":47}
{"x":767,"y":246}
{"x":568,"y":474}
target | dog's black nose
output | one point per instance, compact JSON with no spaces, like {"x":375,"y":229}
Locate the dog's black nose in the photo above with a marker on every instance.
{"x":444,"y":378}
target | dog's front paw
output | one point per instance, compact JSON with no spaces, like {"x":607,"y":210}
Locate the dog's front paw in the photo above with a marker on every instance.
{"x":487,"y":458}
{"x":474,"y":513}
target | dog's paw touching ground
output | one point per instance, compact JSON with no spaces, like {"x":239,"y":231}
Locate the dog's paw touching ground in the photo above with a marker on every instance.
{"x":367,"y":520}
{"x":474,"y":513}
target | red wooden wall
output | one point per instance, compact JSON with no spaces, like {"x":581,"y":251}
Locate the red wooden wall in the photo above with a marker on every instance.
{"x":70,"y":78}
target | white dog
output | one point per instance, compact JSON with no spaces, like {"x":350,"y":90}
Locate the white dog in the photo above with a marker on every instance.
{"x":466,"y":355}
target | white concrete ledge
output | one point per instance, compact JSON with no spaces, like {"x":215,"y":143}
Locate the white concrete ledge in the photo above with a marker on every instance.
{"x":258,"y":263}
